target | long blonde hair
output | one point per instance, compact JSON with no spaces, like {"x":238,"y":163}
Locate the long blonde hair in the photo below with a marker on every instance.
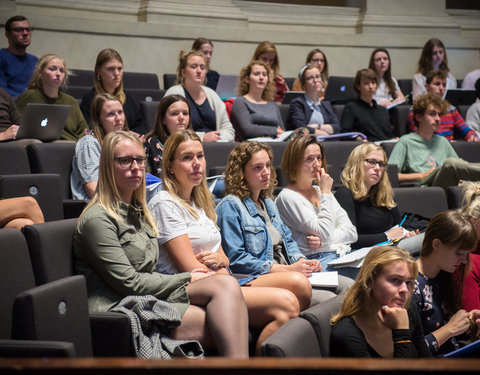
{"x":353,"y":175}
{"x":359,"y":296}
{"x":201,"y":195}
{"x":107,"y":194}
{"x":36,"y":80}
{"x":471,"y":198}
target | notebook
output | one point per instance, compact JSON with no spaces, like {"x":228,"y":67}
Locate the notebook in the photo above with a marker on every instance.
{"x":226,"y":86}
{"x":461,"y":97}
{"x":471,"y":350}
{"x":44,"y":122}
{"x":340,"y":90}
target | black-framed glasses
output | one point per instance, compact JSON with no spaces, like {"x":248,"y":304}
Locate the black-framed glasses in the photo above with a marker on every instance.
{"x":127,"y":161}
{"x":372,"y":163}
{"x":22,"y":29}
{"x":318,"y":60}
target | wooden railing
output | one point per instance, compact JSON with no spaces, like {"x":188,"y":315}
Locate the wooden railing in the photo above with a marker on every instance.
{"x":263,"y":366}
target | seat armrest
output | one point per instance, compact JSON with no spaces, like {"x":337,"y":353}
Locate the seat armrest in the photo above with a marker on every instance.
{"x":111,"y":335}
{"x":36,"y":349}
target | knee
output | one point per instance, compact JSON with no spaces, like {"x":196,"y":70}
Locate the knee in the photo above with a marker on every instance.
{"x":450,"y":163}
{"x":300,"y":282}
{"x":18,"y":223}
{"x":225,"y":284}
{"x":289,"y":307}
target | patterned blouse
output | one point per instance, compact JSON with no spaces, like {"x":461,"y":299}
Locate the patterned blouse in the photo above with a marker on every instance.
{"x":154,"y":151}
{"x":427,"y":297}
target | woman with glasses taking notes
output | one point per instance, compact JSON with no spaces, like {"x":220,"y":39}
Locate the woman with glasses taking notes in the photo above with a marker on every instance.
{"x":367,"y":196}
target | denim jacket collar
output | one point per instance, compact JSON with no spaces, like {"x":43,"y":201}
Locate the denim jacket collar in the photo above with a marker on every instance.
{"x":253,"y":210}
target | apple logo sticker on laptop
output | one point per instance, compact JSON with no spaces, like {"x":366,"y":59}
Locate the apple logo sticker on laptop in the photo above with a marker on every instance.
{"x":44,"y":122}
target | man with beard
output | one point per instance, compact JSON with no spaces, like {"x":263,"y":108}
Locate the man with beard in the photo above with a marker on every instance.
{"x":16,"y":65}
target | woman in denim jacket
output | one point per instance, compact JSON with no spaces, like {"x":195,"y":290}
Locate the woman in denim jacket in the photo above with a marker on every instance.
{"x":252,"y":230}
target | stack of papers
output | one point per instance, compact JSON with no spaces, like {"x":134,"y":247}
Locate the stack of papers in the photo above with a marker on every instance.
{"x":354,"y":259}
{"x":324,"y":279}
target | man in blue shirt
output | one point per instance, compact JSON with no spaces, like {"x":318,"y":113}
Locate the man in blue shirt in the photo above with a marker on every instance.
{"x":16,"y":65}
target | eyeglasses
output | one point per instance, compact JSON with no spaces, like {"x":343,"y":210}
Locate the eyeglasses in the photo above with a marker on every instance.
{"x":22,"y":29}
{"x":127,"y":161}
{"x":311,"y":78}
{"x":372,"y":163}
{"x":318,"y":60}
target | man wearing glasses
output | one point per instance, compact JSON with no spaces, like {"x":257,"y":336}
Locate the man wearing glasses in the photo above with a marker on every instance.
{"x":16,"y":65}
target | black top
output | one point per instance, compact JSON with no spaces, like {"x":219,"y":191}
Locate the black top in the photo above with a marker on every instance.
{"x":212,"y":79}
{"x":134,"y":119}
{"x":371,"y":221}
{"x":373,"y":121}
{"x":203,"y":116}
{"x":300,"y":113}
{"x":347,"y":340}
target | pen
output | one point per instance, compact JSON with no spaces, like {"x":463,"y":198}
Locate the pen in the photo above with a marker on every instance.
{"x":403,"y":220}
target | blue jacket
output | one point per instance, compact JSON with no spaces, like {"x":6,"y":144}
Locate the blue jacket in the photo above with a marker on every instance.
{"x":300,"y":113}
{"x":245,"y":238}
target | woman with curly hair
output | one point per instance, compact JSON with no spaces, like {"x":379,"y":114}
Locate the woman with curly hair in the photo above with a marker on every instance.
{"x":319,"y":59}
{"x":267,"y":52}
{"x":433,"y":57}
{"x":253,"y":113}
{"x":442,"y":266}
{"x":376,"y":319}
{"x":190,"y":240}
{"x":48,"y":79}
{"x":367,"y":196}
{"x":388,"y":92}
{"x":254,"y":238}
{"x":207,"y":110}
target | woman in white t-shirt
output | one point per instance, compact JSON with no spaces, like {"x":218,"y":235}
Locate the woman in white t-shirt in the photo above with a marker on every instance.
{"x":388,"y":92}
{"x":190,"y":240}
{"x":319,"y":225}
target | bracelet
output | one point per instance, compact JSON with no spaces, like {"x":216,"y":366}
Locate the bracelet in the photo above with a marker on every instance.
{"x":402,"y":341}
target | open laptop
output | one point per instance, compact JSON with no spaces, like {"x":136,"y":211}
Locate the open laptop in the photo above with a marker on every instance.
{"x":340,"y":90}
{"x":461,"y":97}
{"x":44,"y":122}
{"x":226,"y":86}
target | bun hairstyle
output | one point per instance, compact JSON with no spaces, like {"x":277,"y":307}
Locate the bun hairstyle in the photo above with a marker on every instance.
{"x":183,"y":58}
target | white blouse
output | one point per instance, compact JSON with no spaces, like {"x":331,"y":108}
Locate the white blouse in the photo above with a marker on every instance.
{"x":329,"y":222}
{"x":173,"y":220}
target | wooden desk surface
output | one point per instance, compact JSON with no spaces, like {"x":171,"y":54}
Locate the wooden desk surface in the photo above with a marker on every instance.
{"x":263,"y":366}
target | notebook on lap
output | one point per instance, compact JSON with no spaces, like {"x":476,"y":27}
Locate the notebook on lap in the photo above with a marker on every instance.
{"x":226,"y":86}
{"x":44,"y":122}
{"x":340,"y":90}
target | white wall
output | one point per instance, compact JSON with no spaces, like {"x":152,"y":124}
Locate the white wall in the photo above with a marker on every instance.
{"x":149,"y":34}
